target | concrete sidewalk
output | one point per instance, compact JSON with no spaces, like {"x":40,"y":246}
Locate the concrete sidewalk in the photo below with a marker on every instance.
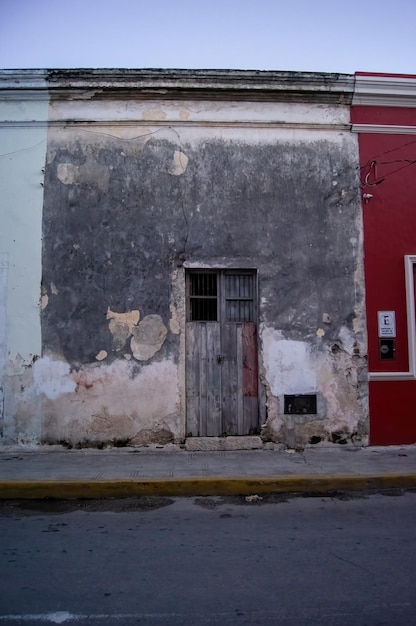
{"x":51,"y":471}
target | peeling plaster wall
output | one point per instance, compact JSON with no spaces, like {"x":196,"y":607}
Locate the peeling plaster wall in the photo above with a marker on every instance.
{"x":23,"y":134}
{"x":108,"y":273}
{"x":109,"y":403}
{"x":138,"y":191}
{"x":338,"y":377}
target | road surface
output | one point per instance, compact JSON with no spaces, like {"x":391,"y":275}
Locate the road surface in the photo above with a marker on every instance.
{"x":346,"y":560}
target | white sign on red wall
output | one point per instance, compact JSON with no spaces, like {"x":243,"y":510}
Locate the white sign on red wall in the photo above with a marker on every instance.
{"x":386,"y":323}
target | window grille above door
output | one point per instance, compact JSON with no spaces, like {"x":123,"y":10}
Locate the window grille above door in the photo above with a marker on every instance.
{"x":203,"y":301}
{"x":222,"y":295}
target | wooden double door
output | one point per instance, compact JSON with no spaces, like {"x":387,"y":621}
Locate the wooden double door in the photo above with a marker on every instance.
{"x":221,"y":353}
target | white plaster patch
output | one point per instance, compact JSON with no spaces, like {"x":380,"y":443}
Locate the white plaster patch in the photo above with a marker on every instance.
{"x":179,"y":163}
{"x":16,"y":364}
{"x":52,"y":378}
{"x":320,"y":332}
{"x":67,"y":173}
{"x":101,"y":355}
{"x":356,"y":324}
{"x":44,"y":300}
{"x":348,"y":339}
{"x":288,"y":364}
{"x":148,"y":337}
{"x":70,"y":174}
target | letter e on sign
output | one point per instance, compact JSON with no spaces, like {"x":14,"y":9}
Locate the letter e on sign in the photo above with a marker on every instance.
{"x":386,"y":323}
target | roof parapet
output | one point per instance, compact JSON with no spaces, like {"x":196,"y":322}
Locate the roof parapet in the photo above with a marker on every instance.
{"x":178,"y":84}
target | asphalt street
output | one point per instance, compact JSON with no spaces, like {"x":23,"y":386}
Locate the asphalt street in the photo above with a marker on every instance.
{"x":349,"y":559}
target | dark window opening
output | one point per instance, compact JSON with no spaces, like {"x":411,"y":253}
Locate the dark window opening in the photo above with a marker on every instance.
{"x":203,"y":305}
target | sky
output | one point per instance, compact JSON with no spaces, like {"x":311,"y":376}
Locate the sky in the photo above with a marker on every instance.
{"x":292,"y":35}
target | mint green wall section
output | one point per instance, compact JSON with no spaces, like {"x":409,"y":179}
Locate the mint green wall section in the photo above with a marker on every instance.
{"x":23,"y":138}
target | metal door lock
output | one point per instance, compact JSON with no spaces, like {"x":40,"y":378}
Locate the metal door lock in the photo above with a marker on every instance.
{"x":220,"y":359}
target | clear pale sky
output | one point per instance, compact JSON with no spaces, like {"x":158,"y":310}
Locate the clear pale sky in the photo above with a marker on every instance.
{"x":298,"y":35}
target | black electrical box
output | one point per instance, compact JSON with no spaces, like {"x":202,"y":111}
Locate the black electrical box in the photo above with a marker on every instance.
{"x":387,"y":349}
{"x":300,"y":404}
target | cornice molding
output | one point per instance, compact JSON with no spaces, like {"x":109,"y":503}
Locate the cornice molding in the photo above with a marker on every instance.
{"x":23,"y":85}
{"x":64,"y":125}
{"x":389,"y":129}
{"x":178,"y":84}
{"x":390,"y":376}
{"x":384,"y":91}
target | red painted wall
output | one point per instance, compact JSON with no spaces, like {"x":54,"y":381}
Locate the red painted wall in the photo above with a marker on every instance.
{"x":388,"y":173}
{"x":392,"y":412}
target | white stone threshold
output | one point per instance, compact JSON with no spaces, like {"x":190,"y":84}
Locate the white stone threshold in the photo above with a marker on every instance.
{"x":223,"y":443}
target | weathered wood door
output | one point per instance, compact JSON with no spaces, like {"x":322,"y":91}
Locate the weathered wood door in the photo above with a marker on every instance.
{"x":221,"y":353}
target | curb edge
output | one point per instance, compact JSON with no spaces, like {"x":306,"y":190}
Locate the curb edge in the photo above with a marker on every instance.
{"x":199,"y":486}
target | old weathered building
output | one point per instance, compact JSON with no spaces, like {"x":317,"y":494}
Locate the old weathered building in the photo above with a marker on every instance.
{"x":180,"y":256}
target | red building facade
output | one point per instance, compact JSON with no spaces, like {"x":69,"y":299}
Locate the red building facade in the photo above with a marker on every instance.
{"x":384,"y":116}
